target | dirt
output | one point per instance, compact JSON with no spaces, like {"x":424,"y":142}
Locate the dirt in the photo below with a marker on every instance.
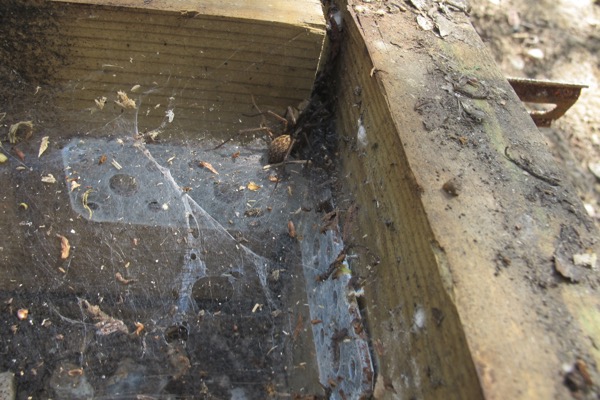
{"x":555,"y":40}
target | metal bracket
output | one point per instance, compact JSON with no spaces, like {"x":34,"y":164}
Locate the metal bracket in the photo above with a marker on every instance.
{"x":562,"y":95}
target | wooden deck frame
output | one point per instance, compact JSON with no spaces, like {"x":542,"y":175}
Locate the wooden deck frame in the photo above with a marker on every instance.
{"x":464,"y":218}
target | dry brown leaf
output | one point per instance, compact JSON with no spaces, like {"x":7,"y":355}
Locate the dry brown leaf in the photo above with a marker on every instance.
{"x":102,"y":159}
{"x":208,"y":166}
{"x":43,"y":145}
{"x":253,"y":186}
{"x":291,"y":229}
{"x":65,"y":247}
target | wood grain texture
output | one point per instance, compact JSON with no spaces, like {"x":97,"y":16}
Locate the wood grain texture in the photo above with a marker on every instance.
{"x":207,"y":60}
{"x":457,"y":242}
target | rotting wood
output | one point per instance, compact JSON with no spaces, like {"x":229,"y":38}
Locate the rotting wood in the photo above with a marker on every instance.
{"x":205,"y":59}
{"x":462,"y":295}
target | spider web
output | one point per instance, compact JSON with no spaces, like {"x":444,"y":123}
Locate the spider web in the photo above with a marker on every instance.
{"x":179,"y":280}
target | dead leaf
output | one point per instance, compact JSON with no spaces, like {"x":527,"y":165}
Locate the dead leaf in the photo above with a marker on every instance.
{"x":105,"y":324}
{"x":3,"y":158}
{"x":208,"y":166}
{"x":124,"y":281}
{"x":23,"y":128}
{"x":291,"y":229}
{"x":65,"y":247}
{"x":102,"y":159}
{"x":253,"y":186}
{"x":235,"y":155}
{"x":49,"y":179}
{"x":43,"y":145}
{"x":124,"y":101}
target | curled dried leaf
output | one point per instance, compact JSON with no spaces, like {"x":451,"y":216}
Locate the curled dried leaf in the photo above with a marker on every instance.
{"x":208,"y":166}
{"x":49,"y":179}
{"x":75,"y":372}
{"x":22,"y":128}
{"x":102,"y":159}
{"x":65,"y":247}
{"x":124,"y":101}
{"x":43,"y":145}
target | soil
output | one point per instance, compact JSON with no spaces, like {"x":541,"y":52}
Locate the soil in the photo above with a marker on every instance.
{"x":560,"y":41}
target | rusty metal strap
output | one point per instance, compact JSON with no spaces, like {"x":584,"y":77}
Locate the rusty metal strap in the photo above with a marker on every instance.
{"x":562,"y":95}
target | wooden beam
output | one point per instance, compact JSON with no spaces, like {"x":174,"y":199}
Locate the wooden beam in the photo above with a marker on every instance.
{"x":205,"y":60}
{"x":464,"y":216}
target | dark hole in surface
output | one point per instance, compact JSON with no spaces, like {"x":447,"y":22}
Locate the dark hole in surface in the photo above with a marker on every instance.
{"x":154,"y":206}
{"x":176,"y":332}
{"x":123,"y":185}
{"x":211,"y":291}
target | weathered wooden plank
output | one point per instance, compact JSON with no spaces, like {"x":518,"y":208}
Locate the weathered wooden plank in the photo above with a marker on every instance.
{"x":462,"y":213}
{"x":205,"y":59}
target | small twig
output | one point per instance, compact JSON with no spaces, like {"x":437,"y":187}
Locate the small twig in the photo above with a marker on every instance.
{"x":269,"y":166}
{"x":550,"y":181}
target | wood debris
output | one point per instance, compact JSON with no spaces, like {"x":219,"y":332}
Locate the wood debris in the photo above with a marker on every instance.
{"x":208,"y":166}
